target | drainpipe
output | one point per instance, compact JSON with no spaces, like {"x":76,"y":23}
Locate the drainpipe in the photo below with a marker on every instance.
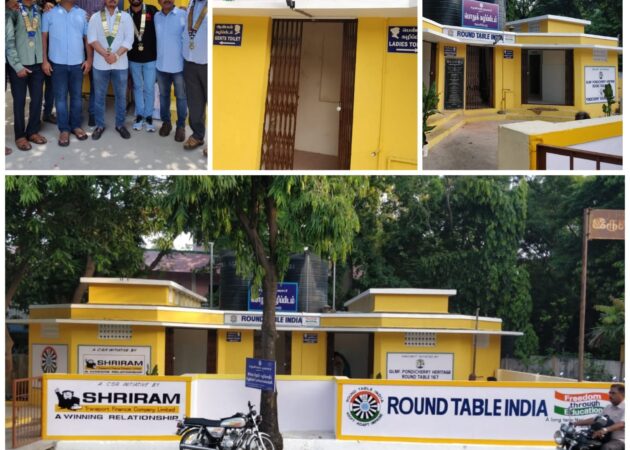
{"x":211,"y":275}
{"x":473,"y":375}
{"x":334,"y":285}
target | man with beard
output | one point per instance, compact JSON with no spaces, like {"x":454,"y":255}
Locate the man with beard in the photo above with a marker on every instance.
{"x":195,"y":50}
{"x":170,"y":23}
{"x":64,"y":42}
{"x":142,"y":58}
{"x":110,"y":32}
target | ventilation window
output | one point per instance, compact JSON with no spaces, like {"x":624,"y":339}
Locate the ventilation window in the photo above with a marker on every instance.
{"x":119,"y":332}
{"x":420,"y":339}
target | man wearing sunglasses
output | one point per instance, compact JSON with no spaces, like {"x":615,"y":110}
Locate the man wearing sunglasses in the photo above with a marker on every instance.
{"x":616,"y":412}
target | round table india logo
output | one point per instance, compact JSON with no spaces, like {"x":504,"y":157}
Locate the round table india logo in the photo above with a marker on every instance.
{"x":364,"y":406}
{"x":49,"y":360}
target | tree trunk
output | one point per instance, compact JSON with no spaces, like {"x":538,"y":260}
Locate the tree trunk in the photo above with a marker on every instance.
{"x":157,"y":260}
{"x":79,"y":292}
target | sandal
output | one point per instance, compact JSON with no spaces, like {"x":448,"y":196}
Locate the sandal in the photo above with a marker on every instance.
{"x":192,"y":143}
{"x":64,"y":139}
{"x":23,"y":145}
{"x":37,"y":139}
{"x":80,"y":134}
{"x":205,"y":152}
{"x":7,"y":151}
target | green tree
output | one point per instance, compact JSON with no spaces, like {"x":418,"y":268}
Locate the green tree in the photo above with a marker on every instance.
{"x":267,"y":219}
{"x":610,"y":329}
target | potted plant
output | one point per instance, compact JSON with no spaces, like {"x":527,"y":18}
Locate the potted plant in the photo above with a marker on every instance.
{"x":430,"y":100}
{"x":610,"y":100}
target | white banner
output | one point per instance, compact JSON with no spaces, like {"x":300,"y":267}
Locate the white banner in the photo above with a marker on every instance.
{"x":115,"y":407}
{"x":114,"y":359}
{"x":420,"y":366}
{"x":48,"y":358}
{"x":474,"y":412}
{"x":282,"y":320}
{"x":479,"y":36}
{"x":595,"y":79}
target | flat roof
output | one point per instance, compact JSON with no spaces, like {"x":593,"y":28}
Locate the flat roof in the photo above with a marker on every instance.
{"x":550,"y":17}
{"x":403,"y":291}
{"x":143,"y":282}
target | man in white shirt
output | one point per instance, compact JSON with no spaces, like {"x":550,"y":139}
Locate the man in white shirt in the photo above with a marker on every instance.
{"x":110,"y":33}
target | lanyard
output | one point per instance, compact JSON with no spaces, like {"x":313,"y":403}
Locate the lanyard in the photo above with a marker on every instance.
{"x":143,"y":21}
{"x":192,"y":30}
{"x":110,"y":36}
{"x":31,"y":24}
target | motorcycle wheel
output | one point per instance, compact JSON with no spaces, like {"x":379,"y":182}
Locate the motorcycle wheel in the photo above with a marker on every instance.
{"x":254,"y":444}
{"x":195,"y":436}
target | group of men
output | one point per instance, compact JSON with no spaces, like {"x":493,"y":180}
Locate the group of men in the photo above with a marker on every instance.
{"x":55,"y":45}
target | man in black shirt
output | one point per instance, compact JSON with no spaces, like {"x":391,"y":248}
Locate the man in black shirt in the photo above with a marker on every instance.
{"x":142,"y":60}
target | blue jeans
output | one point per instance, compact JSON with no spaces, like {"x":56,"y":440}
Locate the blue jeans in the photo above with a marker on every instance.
{"x":101,"y":82}
{"x":67,"y":80}
{"x":165,"y":79}
{"x":143,"y":75}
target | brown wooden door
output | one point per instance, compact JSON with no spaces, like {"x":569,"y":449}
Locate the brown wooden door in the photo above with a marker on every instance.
{"x":348,"y":63}
{"x":278,"y":143}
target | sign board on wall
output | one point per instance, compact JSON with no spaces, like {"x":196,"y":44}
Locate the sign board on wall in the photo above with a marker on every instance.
{"x":449,"y":51}
{"x":508,"y":54}
{"x":600,"y":54}
{"x":477,"y":14}
{"x":233,"y":336}
{"x":402,"y":39}
{"x":595,"y":79}
{"x":48,"y":358}
{"x":115,"y":407}
{"x":454,"y":83}
{"x":286,"y":298}
{"x":479,"y":36}
{"x":228,"y":34}
{"x":114,"y":359}
{"x":282,"y":321}
{"x":482,"y":413}
{"x":419,"y":366}
{"x":309,"y":338}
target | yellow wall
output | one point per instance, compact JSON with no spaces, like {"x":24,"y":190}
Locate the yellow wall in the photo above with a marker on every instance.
{"x":583,"y":58}
{"x":308,"y":359}
{"x":231,"y":355}
{"x":488,"y":359}
{"x":556,"y":26}
{"x":128,"y":295}
{"x":239,"y":87}
{"x":406,"y":303}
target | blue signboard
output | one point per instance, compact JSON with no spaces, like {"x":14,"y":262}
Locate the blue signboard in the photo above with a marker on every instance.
{"x":477,"y":14}
{"x":228,"y":34}
{"x":402,"y":40}
{"x":286,"y":298}
{"x":508,"y":54}
{"x":260,"y":374}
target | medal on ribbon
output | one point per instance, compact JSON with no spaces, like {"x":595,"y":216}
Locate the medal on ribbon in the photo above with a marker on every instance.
{"x":192,"y":29}
{"x":31,"y":25}
{"x":110,"y":35}
{"x":143,"y":21}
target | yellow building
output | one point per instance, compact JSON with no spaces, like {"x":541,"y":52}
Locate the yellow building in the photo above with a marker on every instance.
{"x":130,"y":326}
{"x":325,"y":85}
{"x":543,"y":65}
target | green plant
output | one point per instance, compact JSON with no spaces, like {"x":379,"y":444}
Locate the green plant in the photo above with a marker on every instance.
{"x":153,"y":371}
{"x":610,"y":100}
{"x":430,"y":100}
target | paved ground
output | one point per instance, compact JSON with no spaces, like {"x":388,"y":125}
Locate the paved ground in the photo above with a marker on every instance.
{"x":472,"y":147}
{"x":144,"y":151}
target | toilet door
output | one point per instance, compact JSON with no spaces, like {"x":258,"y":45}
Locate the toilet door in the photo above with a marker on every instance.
{"x":346,"y":104}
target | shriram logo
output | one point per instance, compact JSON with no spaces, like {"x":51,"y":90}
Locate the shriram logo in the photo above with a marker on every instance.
{"x":364,"y":406}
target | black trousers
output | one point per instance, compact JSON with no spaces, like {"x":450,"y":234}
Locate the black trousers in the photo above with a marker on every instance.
{"x":34,"y":83}
{"x":196,"y":79}
{"x":49,"y":96}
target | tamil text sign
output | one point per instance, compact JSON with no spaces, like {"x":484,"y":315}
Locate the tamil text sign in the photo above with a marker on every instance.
{"x":477,"y":14}
{"x":113,"y":407}
{"x":476,"y":412}
{"x":402,"y":39}
{"x":228,"y":34}
{"x":595,"y":79}
{"x":419,"y":366}
{"x":606,"y":224}
{"x":260,"y":374}
{"x":114,"y":359}
{"x":286,"y":298}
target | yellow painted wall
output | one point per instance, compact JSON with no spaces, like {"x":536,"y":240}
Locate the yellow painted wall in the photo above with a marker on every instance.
{"x":584,"y":58}
{"x":74,"y":335}
{"x":308,"y":359}
{"x":406,"y":303}
{"x":231,"y":355}
{"x":556,"y":26}
{"x":488,"y":360}
{"x":128,"y":295}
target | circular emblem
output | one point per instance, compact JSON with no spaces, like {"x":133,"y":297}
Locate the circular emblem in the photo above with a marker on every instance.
{"x":49,"y":360}
{"x":364,"y":406}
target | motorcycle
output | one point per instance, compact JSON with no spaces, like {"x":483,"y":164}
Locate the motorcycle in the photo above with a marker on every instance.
{"x":568,"y":437}
{"x":239,"y":432}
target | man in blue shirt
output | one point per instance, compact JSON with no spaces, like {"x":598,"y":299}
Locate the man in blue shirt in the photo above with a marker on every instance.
{"x":195,"y":51}
{"x":170,"y":24}
{"x":64,"y":32}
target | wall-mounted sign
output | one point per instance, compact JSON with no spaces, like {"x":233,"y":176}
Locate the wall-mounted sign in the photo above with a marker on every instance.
{"x":595,"y":79}
{"x":525,"y":416}
{"x":606,"y":224}
{"x":450,"y":51}
{"x":286,"y":298}
{"x":402,"y":39}
{"x":228,"y":34}
{"x":114,"y":359}
{"x":419,"y":366}
{"x":309,"y":338}
{"x":283,"y":321}
{"x":477,"y":14}
{"x":454,"y":83}
{"x":48,"y":358}
{"x":260,"y":374}
{"x":113,"y":407}
{"x":508,"y":54}
{"x":233,"y":336}
{"x":600,"y":54}
{"x":479,"y":36}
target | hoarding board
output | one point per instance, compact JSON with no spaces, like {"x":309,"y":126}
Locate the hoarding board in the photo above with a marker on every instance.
{"x":476,"y":412}
{"x":113,"y":407}
{"x":477,"y":14}
{"x":114,"y":359}
{"x":254,"y":320}
{"x":595,"y":79}
{"x":48,"y":358}
{"x":419,"y":366}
